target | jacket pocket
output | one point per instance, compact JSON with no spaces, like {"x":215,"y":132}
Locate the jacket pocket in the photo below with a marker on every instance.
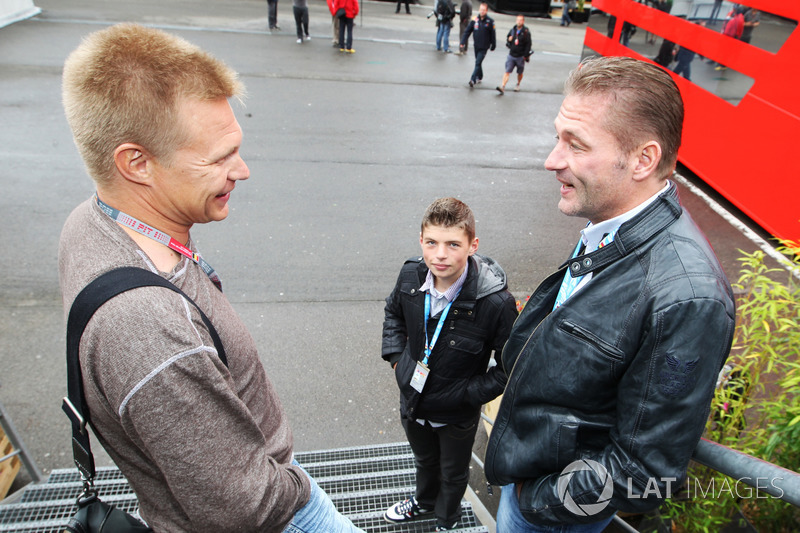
{"x":459,"y":357}
{"x":578,"y":439}
{"x":608,"y":350}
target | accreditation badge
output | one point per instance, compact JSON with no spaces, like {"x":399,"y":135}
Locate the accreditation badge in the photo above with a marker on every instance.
{"x":419,"y":377}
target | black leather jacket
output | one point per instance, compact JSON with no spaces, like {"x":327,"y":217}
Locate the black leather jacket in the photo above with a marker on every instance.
{"x":478,"y":323}
{"x":622,"y":373}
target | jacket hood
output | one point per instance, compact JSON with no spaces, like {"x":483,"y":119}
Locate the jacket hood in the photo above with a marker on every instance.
{"x":491,"y":276}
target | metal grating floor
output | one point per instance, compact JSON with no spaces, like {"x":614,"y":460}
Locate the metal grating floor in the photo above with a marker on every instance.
{"x":362,"y":481}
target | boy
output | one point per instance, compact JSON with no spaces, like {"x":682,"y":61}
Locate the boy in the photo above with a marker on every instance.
{"x":448,"y":311}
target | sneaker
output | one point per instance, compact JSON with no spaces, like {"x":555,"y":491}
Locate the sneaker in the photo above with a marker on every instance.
{"x":500,"y":90}
{"x":342,"y":50}
{"x":299,"y":41}
{"x":405,"y":511}
{"x":440,"y":527}
{"x":471,"y":84}
{"x":516,"y":89}
{"x":351,"y":51}
{"x":308,"y":37}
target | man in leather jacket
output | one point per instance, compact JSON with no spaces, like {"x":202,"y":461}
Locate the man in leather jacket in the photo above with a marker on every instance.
{"x":613,"y":362}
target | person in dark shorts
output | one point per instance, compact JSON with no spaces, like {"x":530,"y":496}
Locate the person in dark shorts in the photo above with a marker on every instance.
{"x":518,"y":42}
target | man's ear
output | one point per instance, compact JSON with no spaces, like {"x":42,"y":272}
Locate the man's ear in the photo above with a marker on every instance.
{"x":133,"y":162}
{"x":647,"y":159}
{"x":473,"y":247}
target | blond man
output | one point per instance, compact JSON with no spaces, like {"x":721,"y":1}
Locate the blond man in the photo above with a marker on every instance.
{"x":206,"y":446}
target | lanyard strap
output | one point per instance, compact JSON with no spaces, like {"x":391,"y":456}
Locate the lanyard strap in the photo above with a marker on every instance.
{"x":429,"y":345}
{"x":158,"y":236}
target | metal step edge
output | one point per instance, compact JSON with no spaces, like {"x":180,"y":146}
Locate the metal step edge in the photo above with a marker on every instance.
{"x":72,"y":473}
{"x":401,"y":491}
{"x":466,"y":507}
{"x":351,"y":449}
{"x":43,"y":487}
{"x":354,"y":463}
{"x":371,"y":475}
{"x":33,"y":526}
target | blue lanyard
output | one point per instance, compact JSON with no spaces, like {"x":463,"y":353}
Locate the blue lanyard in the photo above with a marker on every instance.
{"x":429,"y":345}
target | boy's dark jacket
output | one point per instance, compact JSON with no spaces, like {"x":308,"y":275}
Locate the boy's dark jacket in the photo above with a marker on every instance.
{"x":479,"y":321}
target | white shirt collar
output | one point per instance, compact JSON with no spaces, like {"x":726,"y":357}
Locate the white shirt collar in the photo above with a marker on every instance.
{"x":593,"y":233}
{"x":451,"y":292}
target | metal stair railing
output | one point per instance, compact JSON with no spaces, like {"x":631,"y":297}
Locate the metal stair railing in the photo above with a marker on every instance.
{"x":19,"y":447}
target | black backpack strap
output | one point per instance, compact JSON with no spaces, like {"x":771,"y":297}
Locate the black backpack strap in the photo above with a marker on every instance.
{"x":91,"y":298}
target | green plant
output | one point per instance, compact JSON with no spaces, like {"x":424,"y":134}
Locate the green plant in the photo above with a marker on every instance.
{"x":756,"y":407}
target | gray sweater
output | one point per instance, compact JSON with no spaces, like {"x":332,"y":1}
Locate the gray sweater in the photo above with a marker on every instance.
{"x":205,"y":447}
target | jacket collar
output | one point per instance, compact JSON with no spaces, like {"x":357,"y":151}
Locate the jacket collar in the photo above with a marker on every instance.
{"x":632,"y":234}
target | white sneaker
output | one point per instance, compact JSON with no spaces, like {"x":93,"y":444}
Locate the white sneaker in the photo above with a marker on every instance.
{"x":299,"y":41}
{"x":405,"y":511}
{"x":308,"y":37}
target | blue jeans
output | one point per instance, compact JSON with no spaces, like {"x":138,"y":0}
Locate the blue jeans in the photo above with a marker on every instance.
{"x":510,"y":519}
{"x":443,"y":34}
{"x":477,"y":74}
{"x":319,"y":515}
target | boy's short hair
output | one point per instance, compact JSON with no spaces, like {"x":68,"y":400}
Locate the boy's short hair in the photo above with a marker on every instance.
{"x":125,"y":84}
{"x":449,"y":213}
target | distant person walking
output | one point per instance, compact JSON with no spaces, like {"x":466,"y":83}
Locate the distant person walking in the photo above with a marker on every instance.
{"x":518,"y":42}
{"x":684,"y":57}
{"x":565,"y":20}
{"x":300,"y":9}
{"x":484,"y":39}
{"x":464,"y":17}
{"x":272,"y":12}
{"x":715,"y":11}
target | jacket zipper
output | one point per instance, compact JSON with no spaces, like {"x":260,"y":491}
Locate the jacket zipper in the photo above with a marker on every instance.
{"x":489,"y":486}
{"x":577,"y":331}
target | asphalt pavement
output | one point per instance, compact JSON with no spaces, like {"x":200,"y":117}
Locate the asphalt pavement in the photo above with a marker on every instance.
{"x":345,"y":153}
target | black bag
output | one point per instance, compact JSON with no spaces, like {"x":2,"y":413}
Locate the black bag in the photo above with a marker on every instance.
{"x":340,"y":13}
{"x":95,"y":516}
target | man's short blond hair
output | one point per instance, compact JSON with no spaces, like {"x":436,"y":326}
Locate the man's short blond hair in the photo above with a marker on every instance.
{"x":125,"y":84}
